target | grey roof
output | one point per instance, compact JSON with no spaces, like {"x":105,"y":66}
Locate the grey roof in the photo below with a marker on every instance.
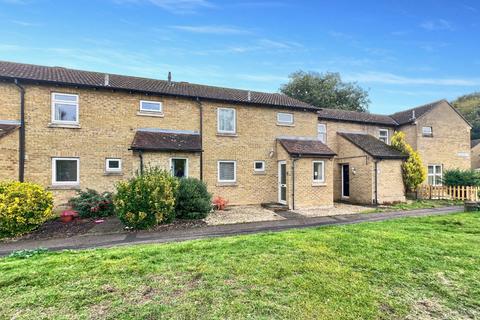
{"x":373,"y":146}
{"x":166,"y":141}
{"x":64,"y":76}
{"x":409,"y":116}
{"x":475,"y":142}
{"x":6,"y":129}
{"x":301,"y":147}
{"x":359,"y":117}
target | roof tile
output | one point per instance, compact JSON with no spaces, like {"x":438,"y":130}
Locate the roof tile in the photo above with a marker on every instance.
{"x":373,"y":146}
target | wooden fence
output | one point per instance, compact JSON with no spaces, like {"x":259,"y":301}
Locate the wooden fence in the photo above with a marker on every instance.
{"x":446,"y":192}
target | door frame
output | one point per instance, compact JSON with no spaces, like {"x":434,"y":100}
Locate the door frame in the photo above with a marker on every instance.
{"x":341,"y":169}
{"x":280,"y":163}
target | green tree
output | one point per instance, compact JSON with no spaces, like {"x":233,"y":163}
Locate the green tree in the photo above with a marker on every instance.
{"x":469,"y":107}
{"x":326,"y":90}
{"x":414,"y":173}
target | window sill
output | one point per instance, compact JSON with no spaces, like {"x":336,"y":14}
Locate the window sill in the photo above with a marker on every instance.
{"x":285,"y":125}
{"x":150,"y":114}
{"x":64,"y":126}
{"x":64,"y":187}
{"x":427,"y":135}
{"x":226,"y":184}
{"x":232,"y":135}
{"x":319,"y":184}
{"x":260,"y":173}
{"x":113,"y":173}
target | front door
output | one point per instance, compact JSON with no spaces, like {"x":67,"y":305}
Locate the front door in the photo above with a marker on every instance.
{"x":345,"y":180}
{"x":282,"y":182}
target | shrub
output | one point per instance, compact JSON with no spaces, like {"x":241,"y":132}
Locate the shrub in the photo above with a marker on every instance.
{"x":414,"y":173}
{"x":192,"y":200}
{"x":457,"y":177}
{"x":90,"y":203}
{"x":23,"y":207}
{"x":147,"y":199}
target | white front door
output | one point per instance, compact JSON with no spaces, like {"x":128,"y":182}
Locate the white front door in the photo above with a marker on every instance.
{"x":282,"y":182}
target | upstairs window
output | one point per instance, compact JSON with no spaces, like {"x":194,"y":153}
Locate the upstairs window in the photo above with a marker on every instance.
{"x":435,"y":175}
{"x":318,"y":171}
{"x":427,"y":131}
{"x":64,"y":108}
{"x":227,"y":171}
{"x":383,"y":135}
{"x":322,"y":132}
{"x":285,"y":119}
{"x":226,"y":120}
{"x":151,"y":106}
{"x":259,"y":166}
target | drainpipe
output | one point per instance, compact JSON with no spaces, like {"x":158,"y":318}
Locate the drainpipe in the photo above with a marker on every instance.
{"x":293,"y":182}
{"x":21,"y":151}
{"x":376,"y":182}
{"x":140,"y":154}
{"x":200,"y":106}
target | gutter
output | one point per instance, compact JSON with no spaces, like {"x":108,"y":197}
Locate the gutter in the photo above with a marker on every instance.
{"x":21,"y":143}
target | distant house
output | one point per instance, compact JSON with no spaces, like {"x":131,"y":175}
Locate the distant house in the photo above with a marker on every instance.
{"x":85,"y":129}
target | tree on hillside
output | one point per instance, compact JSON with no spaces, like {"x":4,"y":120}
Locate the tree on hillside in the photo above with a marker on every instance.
{"x":414,"y":173}
{"x":469,"y":107}
{"x":326,"y":90}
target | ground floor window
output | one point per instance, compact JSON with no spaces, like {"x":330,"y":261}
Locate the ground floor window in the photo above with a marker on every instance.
{"x":435,"y":174}
{"x":65,"y":171}
{"x":113,"y":165}
{"x":179,"y":167}
{"x":259,"y":166}
{"x":227,"y":171}
{"x":318,"y":171}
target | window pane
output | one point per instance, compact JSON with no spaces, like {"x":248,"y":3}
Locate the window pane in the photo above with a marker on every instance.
{"x":427,"y":130}
{"x":322,"y":132}
{"x":65,"y":112}
{"x":64,"y":97}
{"x":430,"y":180}
{"x":285,"y":117}
{"x":179,"y":167}
{"x":227,"y":171}
{"x":66,"y":170}
{"x":113,"y":164}
{"x":430,"y":169}
{"x":151,"y":106}
{"x":322,"y":137}
{"x":259,"y":165}
{"x":226,"y":120}
{"x":438,"y":170}
{"x":317,"y":171}
{"x":283,"y":174}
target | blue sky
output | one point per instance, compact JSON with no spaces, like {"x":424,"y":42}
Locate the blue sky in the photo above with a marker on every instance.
{"x":405,"y":53}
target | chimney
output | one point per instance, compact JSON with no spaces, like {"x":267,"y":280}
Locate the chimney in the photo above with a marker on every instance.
{"x":107,"y":80}
{"x":249,"y":96}
{"x":413,"y":114}
{"x":169,"y":76}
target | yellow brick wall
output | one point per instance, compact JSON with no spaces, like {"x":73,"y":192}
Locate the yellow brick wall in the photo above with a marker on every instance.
{"x":162,"y":160}
{"x":307,"y":193}
{"x":10,"y":101}
{"x":9,"y":157}
{"x":451,"y":136}
{"x":390,"y":182}
{"x":475,"y":157}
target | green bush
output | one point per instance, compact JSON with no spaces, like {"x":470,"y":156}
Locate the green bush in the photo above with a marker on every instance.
{"x":23,"y":207}
{"x":192,"y":199}
{"x":146,"y":200}
{"x":457,"y":177}
{"x":90,"y":203}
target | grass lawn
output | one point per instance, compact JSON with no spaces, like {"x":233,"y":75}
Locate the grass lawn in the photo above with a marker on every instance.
{"x":417,"y":204}
{"x":415,"y":268}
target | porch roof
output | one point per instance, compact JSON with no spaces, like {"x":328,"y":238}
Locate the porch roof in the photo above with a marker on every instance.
{"x":311,"y":148}
{"x":373,"y":146}
{"x":166,"y":141}
{"x":6,"y":129}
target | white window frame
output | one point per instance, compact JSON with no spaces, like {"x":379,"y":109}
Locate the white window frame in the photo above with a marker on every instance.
{"x":76,"y":104}
{"x":186,"y":165}
{"x":234,"y":121}
{"x":324,"y":133}
{"x":255,"y":167}
{"x":234,"y":170}
{"x":148,"y":110}
{"x":387,"y":136}
{"x":323,"y":171}
{"x":285,"y":123}
{"x":427,"y":134}
{"x":434,"y":174}
{"x":54,"y":172}
{"x":107,"y":165}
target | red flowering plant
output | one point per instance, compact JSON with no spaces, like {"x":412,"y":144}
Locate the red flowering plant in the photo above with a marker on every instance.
{"x":220,"y":203}
{"x":91,"y":204}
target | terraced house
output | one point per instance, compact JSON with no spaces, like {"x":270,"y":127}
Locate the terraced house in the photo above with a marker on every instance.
{"x":69,"y":129}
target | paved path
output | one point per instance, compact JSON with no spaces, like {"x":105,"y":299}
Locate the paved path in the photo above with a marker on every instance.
{"x":128,"y":238}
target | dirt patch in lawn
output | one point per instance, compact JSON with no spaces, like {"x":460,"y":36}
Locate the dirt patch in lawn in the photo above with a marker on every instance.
{"x":241,"y":214}
{"x":57,"y":229}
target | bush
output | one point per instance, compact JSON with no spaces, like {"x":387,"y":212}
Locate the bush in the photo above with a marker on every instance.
{"x":457,"y":177}
{"x":192,"y":199}
{"x":90,"y":203}
{"x":23,"y":207}
{"x":146,"y":200}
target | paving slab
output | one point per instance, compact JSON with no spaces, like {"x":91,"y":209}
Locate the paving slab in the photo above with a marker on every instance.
{"x":97,"y":240}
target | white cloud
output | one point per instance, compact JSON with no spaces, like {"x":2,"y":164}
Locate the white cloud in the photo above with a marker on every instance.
{"x":438,"y":24}
{"x":211,"y":29}
{"x":25,"y":23}
{"x":174,"y":6}
{"x":389,"y":78}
